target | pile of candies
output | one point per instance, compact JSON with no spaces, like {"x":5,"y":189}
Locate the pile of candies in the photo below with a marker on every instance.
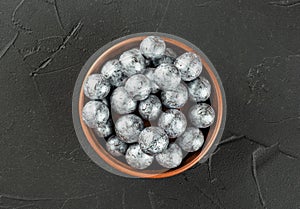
{"x":149,"y":84}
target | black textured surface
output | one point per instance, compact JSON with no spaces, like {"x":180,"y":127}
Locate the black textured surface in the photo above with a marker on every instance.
{"x":255,"y":47}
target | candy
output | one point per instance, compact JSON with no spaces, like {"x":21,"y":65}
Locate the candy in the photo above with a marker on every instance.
{"x":136,"y":158}
{"x":150,"y":108}
{"x":189,"y":65}
{"x":121,"y":102}
{"x":153,"y":47}
{"x":138,"y":87}
{"x":171,"y":157}
{"x":166,"y":76}
{"x":95,"y":113}
{"x":96,"y":87}
{"x":173,"y":122}
{"x":115,"y":146}
{"x":149,"y":74}
{"x":191,"y":140}
{"x":201,"y":115}
{"x":113,"y":72}
{"x":128,"y":127}
{"x":199,"y":89}
{"x":153,"y":140}
{"x":105,"y":129}
{"x":168,"y":57}
{"x":133,"y":62}
{"x":175,"y":98}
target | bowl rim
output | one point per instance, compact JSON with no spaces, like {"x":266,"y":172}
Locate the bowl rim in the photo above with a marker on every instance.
{"x":81,"y":129}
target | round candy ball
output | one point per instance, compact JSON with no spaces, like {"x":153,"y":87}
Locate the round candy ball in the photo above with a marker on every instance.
{"x":171,"y":157}
{"x":189,"y":65}
{"x":105,"y":129}
{"x":153,"y":140}
{"x":191,"y":140}
{"x":168,"y":57}
{"x":173,"y":122}
{"x":149,"y":74}
{"x":138,"y":87}
{"x":133,"y":62}
{"x":96,"y":87}
{"x":166,"y":76}
{"x":150,"y":108}
{"x":175,"y":98}
{"x":115,"y":146}
{"x":201,"y":115}
{"x":153,"y":47}
{"x":95,"y":113}
{"x":136,"y":158}
{"x":199,"y":89}
{"x":128,"y":127}
{"x":121,"y":102}
{"x":113,"y":72}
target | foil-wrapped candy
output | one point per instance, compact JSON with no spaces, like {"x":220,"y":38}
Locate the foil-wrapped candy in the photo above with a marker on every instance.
{"x":171,"y":157}
{"x":168,"y":57}
{"x":121,"y":102}
{"x":175,"y":98}
{"x":149,"y":74}
{"x":199,"y":89}
{"x":113,"y":71}
{"x":166,"y":76}
{"x":201,"y":115}
{"x":191,"y":140}
{"x":96,"y":87}
{"x":104,"y":129}
{"x":153,"y":47}
{"x":150,"y":108}
{"x":133,"y":62}
{"x":189,"y":65}
{"x":128,"y":127}
{"x":173,"y":122}
{"x":138,"y":87}
{"x":136,"y":158}
{"x":153,"y":140}
{"x":95,"y":113}
{"x":115,"y":146}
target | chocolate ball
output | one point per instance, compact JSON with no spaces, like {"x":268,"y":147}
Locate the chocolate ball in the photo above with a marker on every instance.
{"x":199,"y":89}
{"x":133,"y":62}
{"x":201,"y":115}
{"x":128,"y":127}
{"x":191,"y":140}
{"x":138,"y":87}
{"x":166,"y":76}
{"x":175,"y":98}
{"x":115,"y":146}
{"x":121,"y":102}
{"x":189,"y":65}
{"x":113,"y":72}
{"x":153,"y":47}
{"x":95,"y":113}
{"x":150,"y":108}
{"x":96,"y":87}
{"x":136,"y":158}
{"x":171,"y":157}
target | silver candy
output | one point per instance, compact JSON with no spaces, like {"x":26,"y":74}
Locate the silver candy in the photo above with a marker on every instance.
{"x":153,"y":47}
{"x":173,"y":122}
{"x":121,"y":102}
{"x":115,"y":146}
{"x":171,"y":157}
{"x":96,"y":87}
{"x":138,"y":87}
{"x":105,"y":129}
{"x":189,"y":65}
{"x":136,"y":158}
{"x":113,"y":71}
{"x":128,"y":127}
{"x":202,"y":115}
{"x":191,"y":140}
{"x":133,"y":62}
{"x":175,"y":98}
{"x":150,"y":108}
{"x":149,"y":74}
{"x":95,"y":113}
{"x":168,"y":57}
{"x":199,"y":89}
{"x":166,"y":76}
{"x":153,"y":140}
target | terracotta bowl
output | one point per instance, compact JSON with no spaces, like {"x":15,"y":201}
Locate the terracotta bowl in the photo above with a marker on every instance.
{"x":95,"y":147}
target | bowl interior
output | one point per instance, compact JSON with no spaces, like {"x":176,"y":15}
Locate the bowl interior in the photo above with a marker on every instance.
{"x":190,"y":159}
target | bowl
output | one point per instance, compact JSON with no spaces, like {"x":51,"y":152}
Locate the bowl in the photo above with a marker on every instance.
{"x":95,"y":148}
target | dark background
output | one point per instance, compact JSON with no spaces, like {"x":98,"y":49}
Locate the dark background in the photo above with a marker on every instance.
{"x":255,"y":47}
